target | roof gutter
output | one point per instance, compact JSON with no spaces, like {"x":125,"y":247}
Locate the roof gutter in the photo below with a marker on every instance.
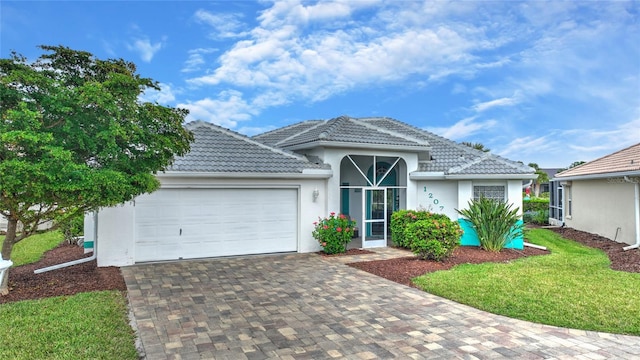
{"x":306,"y":174}
{"x":636,"y":182}
{"x":597,"y":176}
{"x":79,"y":261}
{"x":492,"y":177}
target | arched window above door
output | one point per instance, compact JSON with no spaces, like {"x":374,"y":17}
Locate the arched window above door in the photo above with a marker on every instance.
{"x":373,"y":171}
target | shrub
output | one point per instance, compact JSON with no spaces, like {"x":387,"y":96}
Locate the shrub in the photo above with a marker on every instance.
{"x":399,"y":221}
{"x":495,"y":222}
{"x":72,"y":227}
{"x":541,"y":217}
{"x":535,"y":204}
{"x":433,"y":239}
{"x":334,"y":233}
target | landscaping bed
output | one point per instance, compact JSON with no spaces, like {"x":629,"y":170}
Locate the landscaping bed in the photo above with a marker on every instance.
{"x":88,"y":277}
{"x":402,"y":270}
{"x":25,"y":285}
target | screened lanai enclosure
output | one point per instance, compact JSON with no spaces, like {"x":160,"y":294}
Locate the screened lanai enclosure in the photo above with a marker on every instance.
{"x":372,"y":188}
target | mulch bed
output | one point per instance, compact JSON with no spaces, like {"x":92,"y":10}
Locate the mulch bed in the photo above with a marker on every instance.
{"x":26,"y":285}
{"x":402,"y":270}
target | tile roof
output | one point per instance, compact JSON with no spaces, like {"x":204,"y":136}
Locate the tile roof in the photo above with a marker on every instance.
{"x":448,"y":156}
{"x":340,"y":131}
{"x":216,"y":149}
{"x":451,"y":157}
{"x":625,"y":160}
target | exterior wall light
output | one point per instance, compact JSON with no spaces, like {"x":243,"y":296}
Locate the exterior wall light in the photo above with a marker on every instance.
{"x":316,"y":193}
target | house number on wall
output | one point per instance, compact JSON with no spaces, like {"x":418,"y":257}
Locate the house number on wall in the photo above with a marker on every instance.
{"x":435,"y":201}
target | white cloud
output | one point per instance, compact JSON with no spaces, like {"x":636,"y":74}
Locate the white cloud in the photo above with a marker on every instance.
{"x":523,"y":147}
{"x":196,"y":59}
{"x":224,"y":25}
{"x":560,"y":148}
{"x":320,"y":64}
{"x":502,"y":102}
{"x":500,"y":55}
{"x":226,"y":110}
{"x":458,"y":89}
{"x":145,"y":48}
{"x":464,"y":128}
{"x":294,"y":12}
{"x":164,"y":96}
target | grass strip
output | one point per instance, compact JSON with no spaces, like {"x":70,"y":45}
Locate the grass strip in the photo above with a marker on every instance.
{"x":89,"y":325}
{"x":572,"y":287}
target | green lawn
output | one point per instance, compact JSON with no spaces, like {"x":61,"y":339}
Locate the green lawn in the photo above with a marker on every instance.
{"x":30,"y":250}
{"x":91,"y":325}
{"x":572,"y":287}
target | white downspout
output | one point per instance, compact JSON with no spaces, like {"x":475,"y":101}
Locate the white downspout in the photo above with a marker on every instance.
{"x":79,"y":261}
{"x":637,"y":206}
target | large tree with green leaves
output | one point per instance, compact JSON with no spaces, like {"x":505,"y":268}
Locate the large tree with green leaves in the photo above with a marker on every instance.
{"x":75,"y":136}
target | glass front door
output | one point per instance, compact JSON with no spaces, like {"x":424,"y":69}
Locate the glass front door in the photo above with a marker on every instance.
{"x":375,"y":218}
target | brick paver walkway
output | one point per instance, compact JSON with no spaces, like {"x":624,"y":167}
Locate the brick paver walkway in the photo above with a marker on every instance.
{"x":302,"y":306}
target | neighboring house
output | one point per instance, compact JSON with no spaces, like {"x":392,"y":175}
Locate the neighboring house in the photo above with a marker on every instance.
{"x":602,"y":196}
{"x":234,"y":195}
{"x":545,"y":187}
{"x":4,"y":223}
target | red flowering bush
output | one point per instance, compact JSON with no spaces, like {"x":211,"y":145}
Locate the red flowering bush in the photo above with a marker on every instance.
{"x":334,"y":232}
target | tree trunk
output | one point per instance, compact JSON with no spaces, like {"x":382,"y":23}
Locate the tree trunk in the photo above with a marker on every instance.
{"x":7,"y":247}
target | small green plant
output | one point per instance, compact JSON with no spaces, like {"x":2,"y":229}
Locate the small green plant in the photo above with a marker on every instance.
{"x":433,"y":239}
{"x":334,"y":233}
{"x":496,"y":223}
{"x":541,"y":217}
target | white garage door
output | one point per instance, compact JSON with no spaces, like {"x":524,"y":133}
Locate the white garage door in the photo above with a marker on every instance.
{"x":194,"y":223}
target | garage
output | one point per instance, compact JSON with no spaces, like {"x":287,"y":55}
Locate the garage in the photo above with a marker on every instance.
{"x":173,"y":224}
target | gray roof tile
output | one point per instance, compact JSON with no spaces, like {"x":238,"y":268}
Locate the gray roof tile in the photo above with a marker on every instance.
{"x":216,"y":149}
{"x":448,"y":156}
{"x":339,"y":130}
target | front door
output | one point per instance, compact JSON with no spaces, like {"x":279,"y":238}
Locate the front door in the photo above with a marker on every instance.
{"x":375,"y":218}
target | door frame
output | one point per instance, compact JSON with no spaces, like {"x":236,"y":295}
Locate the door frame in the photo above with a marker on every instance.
{"x":368,"y":220}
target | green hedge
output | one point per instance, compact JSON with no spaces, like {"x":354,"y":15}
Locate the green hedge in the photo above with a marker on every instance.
{"x":535,"y":205}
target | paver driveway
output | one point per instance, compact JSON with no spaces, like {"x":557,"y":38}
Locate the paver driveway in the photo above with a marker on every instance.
{"x":303,"y":306}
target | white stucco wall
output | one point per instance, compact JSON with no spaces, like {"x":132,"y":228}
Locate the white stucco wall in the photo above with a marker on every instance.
{"x":115,"y":242}
{"x":514,"y":194}
{"x":603,"y":208}
{"x":438,"y":196}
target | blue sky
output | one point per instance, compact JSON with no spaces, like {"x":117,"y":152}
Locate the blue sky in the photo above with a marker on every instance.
{"x":544,"y":82}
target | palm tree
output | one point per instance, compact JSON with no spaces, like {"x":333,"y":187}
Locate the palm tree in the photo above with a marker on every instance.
{"x":542,"y":178}
{"x":477,"y":146}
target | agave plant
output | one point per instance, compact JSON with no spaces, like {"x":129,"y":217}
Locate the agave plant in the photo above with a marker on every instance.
{"x":496,"y":223}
